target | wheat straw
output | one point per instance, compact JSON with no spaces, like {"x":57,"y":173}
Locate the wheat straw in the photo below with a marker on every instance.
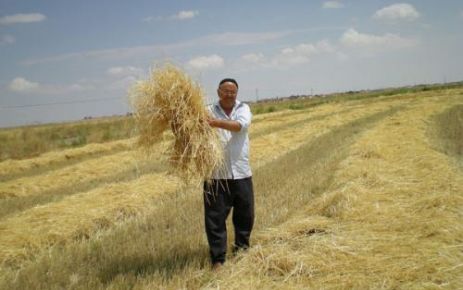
{"x":93,"y":170}
{"x":170,"y":99}
{"x":17,"y":167}
{"x":79,"y":216}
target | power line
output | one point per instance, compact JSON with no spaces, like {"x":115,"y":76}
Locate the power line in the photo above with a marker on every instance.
{"x":60,"y":103}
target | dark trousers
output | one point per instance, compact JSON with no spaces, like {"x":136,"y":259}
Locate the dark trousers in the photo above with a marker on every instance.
{"x":220,"y":196}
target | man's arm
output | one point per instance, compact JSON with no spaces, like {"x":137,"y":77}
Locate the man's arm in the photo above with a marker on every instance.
{"x":229,"y":125}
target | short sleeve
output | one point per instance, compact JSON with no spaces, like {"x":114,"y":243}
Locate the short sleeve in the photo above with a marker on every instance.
{"x":244,"y":116}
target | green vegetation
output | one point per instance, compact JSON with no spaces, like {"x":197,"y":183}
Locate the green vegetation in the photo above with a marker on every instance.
{"x":30,"y":141}
{"x":304,"y":102}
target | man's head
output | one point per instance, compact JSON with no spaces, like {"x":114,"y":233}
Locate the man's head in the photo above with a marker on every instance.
{"x":227,"y":91}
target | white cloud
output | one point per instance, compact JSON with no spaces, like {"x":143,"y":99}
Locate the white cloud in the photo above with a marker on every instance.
{"x":332,"y":4}
{"x":181,"y":15}
{"x":123,"y":77}
{"x":22,"y":18}
{"x":124,"y":71}
{"x":254,"y":58}
{"x":22,"y":85}
{"x":206,"y":62}
{"x":7,"y":39}
{"x":287,"y":57}
{"x":184,"y":15}
{"x":301,"y":53}
{"x":353,"y":38}
{"x":395,"y":12}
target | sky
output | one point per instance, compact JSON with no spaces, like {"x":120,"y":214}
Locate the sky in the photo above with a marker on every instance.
{"x":65,"y":60}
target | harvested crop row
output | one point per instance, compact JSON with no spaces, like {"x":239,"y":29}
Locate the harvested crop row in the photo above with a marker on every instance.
{"x":79,"y":215}
{"x":87,"y":181}
{"x":392,"y":220}
{"x":277,"y":144}
{"x":307,"y":172}
{"x":296,"y":122}
{"x":11,"y":225}
{"x":69,"y":177}
{"x":73,"y":176}
{"x":104,"y":167}
{"x":161,"y":250}
{"x":268,"y":120}
{"x":12,"y":168}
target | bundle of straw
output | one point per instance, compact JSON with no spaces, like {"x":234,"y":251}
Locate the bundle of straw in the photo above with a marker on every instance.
{"x":170,"y":99}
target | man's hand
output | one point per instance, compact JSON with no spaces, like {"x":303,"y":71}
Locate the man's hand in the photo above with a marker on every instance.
{"x":212,"y":122}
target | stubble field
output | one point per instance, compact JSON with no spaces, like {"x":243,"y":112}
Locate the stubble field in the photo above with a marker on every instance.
{"x":353,"y":194}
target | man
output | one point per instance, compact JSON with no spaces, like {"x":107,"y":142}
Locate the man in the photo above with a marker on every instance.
{"x":231,"y":185}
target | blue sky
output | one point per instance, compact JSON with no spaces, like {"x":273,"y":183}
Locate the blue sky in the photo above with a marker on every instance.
{"x":64,"y":60}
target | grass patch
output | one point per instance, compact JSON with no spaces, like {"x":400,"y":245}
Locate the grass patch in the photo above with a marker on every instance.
{"x":30,"y":141}
{"x":305,"y":102}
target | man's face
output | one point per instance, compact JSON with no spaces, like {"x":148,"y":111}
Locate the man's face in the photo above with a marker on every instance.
{"x":227,"y":94}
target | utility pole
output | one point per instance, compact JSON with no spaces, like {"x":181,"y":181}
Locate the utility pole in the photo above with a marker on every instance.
{"x":257,"y":95}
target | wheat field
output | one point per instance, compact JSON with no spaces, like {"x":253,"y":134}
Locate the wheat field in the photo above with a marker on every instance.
{"x":351,"y":194}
